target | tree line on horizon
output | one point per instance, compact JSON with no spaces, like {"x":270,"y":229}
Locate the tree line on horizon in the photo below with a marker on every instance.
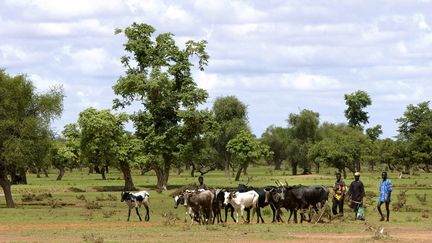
{"x":172,"y":133}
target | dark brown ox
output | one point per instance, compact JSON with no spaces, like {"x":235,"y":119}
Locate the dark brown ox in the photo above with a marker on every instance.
{"x":201,"y":202}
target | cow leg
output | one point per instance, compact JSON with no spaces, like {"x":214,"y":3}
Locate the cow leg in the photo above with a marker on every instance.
{"x":232,"y":215}
{"x":274,"y":213}
{"x":129,"y":214}
{"x":139,"y":216}
{"x":147,"y":216}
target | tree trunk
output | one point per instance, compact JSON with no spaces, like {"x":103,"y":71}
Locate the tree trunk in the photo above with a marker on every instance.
{"x":45,"y":171}
{"x":162,"y":174}
{"x":427,"y":170}
{"x":96,"y":169}
{"x":245,"y":169}
{"x":237,"y":177}
{"x":6,"y":186}
{"x":38,"y":172}
{"x":125,"y":168}
{"x":102,"y":172}
{"x":317,"y":168}
{"x":278,"y":164}
{"x":106,"y":169}
{"x":192,"y":169}
{"x":344,"y":173}
{"x":91,"y":169}
{"x":294,"y":168}
{"x":227,"y":168}
{"x":61,"y":174}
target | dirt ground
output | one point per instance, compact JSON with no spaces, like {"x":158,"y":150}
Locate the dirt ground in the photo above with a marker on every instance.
{"x":17,"y":233}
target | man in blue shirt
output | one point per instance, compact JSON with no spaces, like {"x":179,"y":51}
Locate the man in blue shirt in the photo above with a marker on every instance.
{"x":385,"y":191}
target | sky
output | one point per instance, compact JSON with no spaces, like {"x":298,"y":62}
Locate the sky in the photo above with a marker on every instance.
{"x":277,"y":57}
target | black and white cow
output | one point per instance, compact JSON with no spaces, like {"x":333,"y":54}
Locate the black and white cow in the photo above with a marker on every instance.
{"x":135,"y":200}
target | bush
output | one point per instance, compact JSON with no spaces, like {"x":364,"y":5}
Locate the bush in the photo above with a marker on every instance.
{"x":108,"y":214}
{"x":29,"y":197}
{"x":169,"y":218}
{"x":401,"y":201}
{"x":75,"y":189}
{"x":109,"y":197}
{"x":421,"y":198}
{"x":55,"y":203}
{"x":81,"y":197}
{"x":93,"y":238}
{"x":92,"y":205}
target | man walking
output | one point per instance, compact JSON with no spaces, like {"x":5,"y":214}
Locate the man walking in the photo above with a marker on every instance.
{"x":339,"y":189}
{"x":356,"y":193}
{"x":385,"y":191}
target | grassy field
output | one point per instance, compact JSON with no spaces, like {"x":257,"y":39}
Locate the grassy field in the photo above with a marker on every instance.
{"x":83,"y":207}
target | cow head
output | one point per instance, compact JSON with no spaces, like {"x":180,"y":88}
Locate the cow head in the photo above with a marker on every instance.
{"x":125,"y":196}
{"x":179,"y":199}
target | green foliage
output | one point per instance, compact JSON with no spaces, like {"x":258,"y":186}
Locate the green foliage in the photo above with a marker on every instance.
{"x":230,"y":115}
{"x":25,"y":116}
{"x":246,"y":149}
{"x":341,"y":147}
{"x":158,"y":76}
{"x":415,"y":128}
{"x":374,"y":132}
{"x":277,"y":138}
{"x":356,"y":102}
{"x":101,"y":132}
{"x":303,"y":129}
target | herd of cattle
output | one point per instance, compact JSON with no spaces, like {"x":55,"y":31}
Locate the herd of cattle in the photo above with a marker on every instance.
{"x":206,"y":206}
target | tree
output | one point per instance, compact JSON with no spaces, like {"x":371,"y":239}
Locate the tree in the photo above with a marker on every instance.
{"x":303,"y":129}
{"x":246,"y":149}
{"x":128,"y":153}
{"x":25,"y":116}
{"x":101,"y":132}
{"x":342,"y":147}
{"x":356,"y":102}
{"x":415,"y":127}
{"x":158,"y":76}
{"x":61,"y":158}
{"x":374,"y":132}
{"x":277,"y":138}
{"x":230,"y":114}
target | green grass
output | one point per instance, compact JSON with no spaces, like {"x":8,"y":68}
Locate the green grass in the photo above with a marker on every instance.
{"x":73,"y":221}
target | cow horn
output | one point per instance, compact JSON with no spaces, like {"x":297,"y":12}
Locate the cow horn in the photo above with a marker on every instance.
{"x":277,"y":184}
{"x":286,"y":182}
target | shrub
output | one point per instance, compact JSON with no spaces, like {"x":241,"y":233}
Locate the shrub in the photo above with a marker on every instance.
{"x":401,"y":201}
{"x":169,"y":218}
{"x":75,"y":189}
{"x":55,"y":203}
{"x":29,"y":197}
{"x":93,"y":238}
{"x":421,"y":198}
{"x":81,"y":197}
{"x":92,"y":205}
{"x":108,"y":214}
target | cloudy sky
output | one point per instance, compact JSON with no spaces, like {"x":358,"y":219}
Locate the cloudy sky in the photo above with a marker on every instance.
{"x":278,"y":57}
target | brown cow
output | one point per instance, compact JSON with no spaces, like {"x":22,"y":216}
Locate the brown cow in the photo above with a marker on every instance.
{"x":201,"y":202}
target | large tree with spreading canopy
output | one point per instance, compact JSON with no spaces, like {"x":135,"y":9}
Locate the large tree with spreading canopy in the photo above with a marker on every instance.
{"x":159,"y":79}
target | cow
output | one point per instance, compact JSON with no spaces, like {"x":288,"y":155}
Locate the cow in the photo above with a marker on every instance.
{"x":201,"y":202}
{"x":242,"y":200}
{"x":218,"y":204}
{"x":179,"y":200}
{"x":135,"y":200}
{"x":262,"y":200}
{"x":299,"y":197}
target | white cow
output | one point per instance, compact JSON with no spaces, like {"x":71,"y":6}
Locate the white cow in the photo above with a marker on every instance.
{"x":242,"y":200}
{"x":135,"y":200}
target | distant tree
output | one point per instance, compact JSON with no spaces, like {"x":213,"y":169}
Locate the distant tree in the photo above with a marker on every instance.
{"x":101,"y":132}
{"x":128,"y":154}
{"x":356,"y":103}
{"x":246,"y":149}
{"x":230,"y":114}
{"x":415,"y":127}
{"x":374,"y":132}
{"x":303,"y":129}
{"x":277,"y":138}
{"x":159,"y":77}
{"x":25,"y":116}
{"x":342,"y":147}
{"x":196,"y":152}
{"x":61,"y":158}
